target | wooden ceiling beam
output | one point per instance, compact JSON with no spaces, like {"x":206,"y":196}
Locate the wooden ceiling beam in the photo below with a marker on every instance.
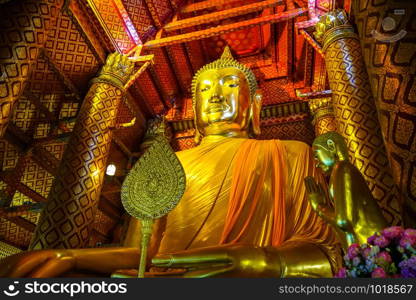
{"x":38,"y":104}
{"x":65,"y":79}
{"x":214,"y":31}
{"x":15,"y":177}
{"x":79,"y":17}
{"x":114,"y":202}
{"x":135,"y":94}
{"x":49,"y":117}
{"x":220,"y":15}
{"x":27,"y":191}
{"x":17,"y":137}
{"x":101,"y":236}
{"x":45,"y":159}
{"x":20,"y":210}
{"x":120,"y":144}
{"x":176,"y":69}
{"x":306,"y":24}
{"x":110,"y":188}
{"x":312,"y":42}
{"x":128,"y":24}
{"x":62,"y":137}
{"x":151,"y":8}
{"x":173,"y":70}
{"x":21,"y":222}
{"x":42,"y":157}
{"x":22,"y":188}
{"x":107,"y":207}
{"x":163,"y":97}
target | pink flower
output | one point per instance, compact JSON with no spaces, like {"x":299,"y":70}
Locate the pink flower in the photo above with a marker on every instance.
{"x":342,"y":273}
{"x":378,"y":273}
{"x":383,"y":258}
{"x":356,"y":261}
{"x":381,"y":241}
{"x":392,"y":232}
{"x":371,"y":239}
{"x":366,"y":252}
{"x":353,"y":250}
{"x":410,"y":232}
{"x":407,"y":241}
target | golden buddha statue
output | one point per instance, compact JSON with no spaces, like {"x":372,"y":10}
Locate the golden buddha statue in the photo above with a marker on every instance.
{"x":245,"y":211}
{"x":355,"y":214}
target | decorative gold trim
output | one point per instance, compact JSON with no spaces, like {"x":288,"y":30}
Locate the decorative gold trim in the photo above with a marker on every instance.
{"x":319,"y":103}
{"x":110,"y":80}
{"x":321,"y":113}
{"x":334,"y":34}
{"x":117,"y":71}
{"x":320,"y":108}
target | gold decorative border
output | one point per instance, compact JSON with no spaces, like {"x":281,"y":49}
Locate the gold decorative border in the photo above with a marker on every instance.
{"x":336,"y":33}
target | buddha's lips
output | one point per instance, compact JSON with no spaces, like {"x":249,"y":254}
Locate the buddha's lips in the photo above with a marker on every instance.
{"x":213,"y":108}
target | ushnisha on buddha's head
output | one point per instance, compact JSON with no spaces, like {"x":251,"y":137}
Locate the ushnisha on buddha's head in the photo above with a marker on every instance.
{"x":226,"y":100}
{"x":329,"y":148}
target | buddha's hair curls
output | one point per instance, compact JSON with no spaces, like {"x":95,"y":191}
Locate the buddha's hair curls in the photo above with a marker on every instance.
{"x":333,"y":136}
{"x":226,"y":61}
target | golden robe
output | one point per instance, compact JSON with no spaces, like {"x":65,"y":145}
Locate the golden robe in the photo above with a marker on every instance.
{"x":246,"y":191}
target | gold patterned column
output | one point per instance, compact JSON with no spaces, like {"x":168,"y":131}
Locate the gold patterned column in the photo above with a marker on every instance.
{"x":23,"y":31}
{"x":355,"y":109}
{"x":387,"y":34}
{"x":323,"y":115}
{"x":73,"y":199}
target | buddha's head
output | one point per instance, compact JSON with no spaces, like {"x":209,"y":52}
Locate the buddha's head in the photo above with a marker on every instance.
{"x":225,"y":99}
{"x":329,"y":148}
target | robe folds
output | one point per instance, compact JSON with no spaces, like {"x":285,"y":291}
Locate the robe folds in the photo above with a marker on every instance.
{"x":246,"y":191}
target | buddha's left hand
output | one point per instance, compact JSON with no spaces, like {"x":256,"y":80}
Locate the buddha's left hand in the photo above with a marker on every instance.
{"x":316,"y":194}
{"x":225,"y":260}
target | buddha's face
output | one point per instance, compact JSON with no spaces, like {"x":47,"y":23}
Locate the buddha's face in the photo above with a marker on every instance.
{"x":222,"y":101}
{"x":325,"y":158}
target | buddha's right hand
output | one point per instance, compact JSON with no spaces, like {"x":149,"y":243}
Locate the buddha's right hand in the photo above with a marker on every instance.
{"x":318,"y":201}
{"x":57,"y":262}
{"x":39,"y":263}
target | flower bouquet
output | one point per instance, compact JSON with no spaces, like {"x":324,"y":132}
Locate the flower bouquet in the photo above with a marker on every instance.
{"x":390,"y":253}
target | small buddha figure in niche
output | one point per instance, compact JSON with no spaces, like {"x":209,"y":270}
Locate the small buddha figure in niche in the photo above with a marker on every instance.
{"x":355,"y":214}
{"x":245,"y":211}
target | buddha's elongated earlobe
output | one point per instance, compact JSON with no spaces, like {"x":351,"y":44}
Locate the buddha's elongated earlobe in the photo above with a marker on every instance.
{"x":198,"y":137}
{"x":331,"y":145}
{"x":255,"y":111}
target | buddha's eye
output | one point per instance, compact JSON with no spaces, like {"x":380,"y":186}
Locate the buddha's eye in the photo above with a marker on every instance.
{"x":234,"y":84}
{"x":205,"y":88}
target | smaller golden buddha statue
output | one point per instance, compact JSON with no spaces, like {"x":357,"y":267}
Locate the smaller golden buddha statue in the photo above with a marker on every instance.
{"x":355,"y":214}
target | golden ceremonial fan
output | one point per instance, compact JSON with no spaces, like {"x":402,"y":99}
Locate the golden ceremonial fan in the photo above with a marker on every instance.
{"x":153,"y":187}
